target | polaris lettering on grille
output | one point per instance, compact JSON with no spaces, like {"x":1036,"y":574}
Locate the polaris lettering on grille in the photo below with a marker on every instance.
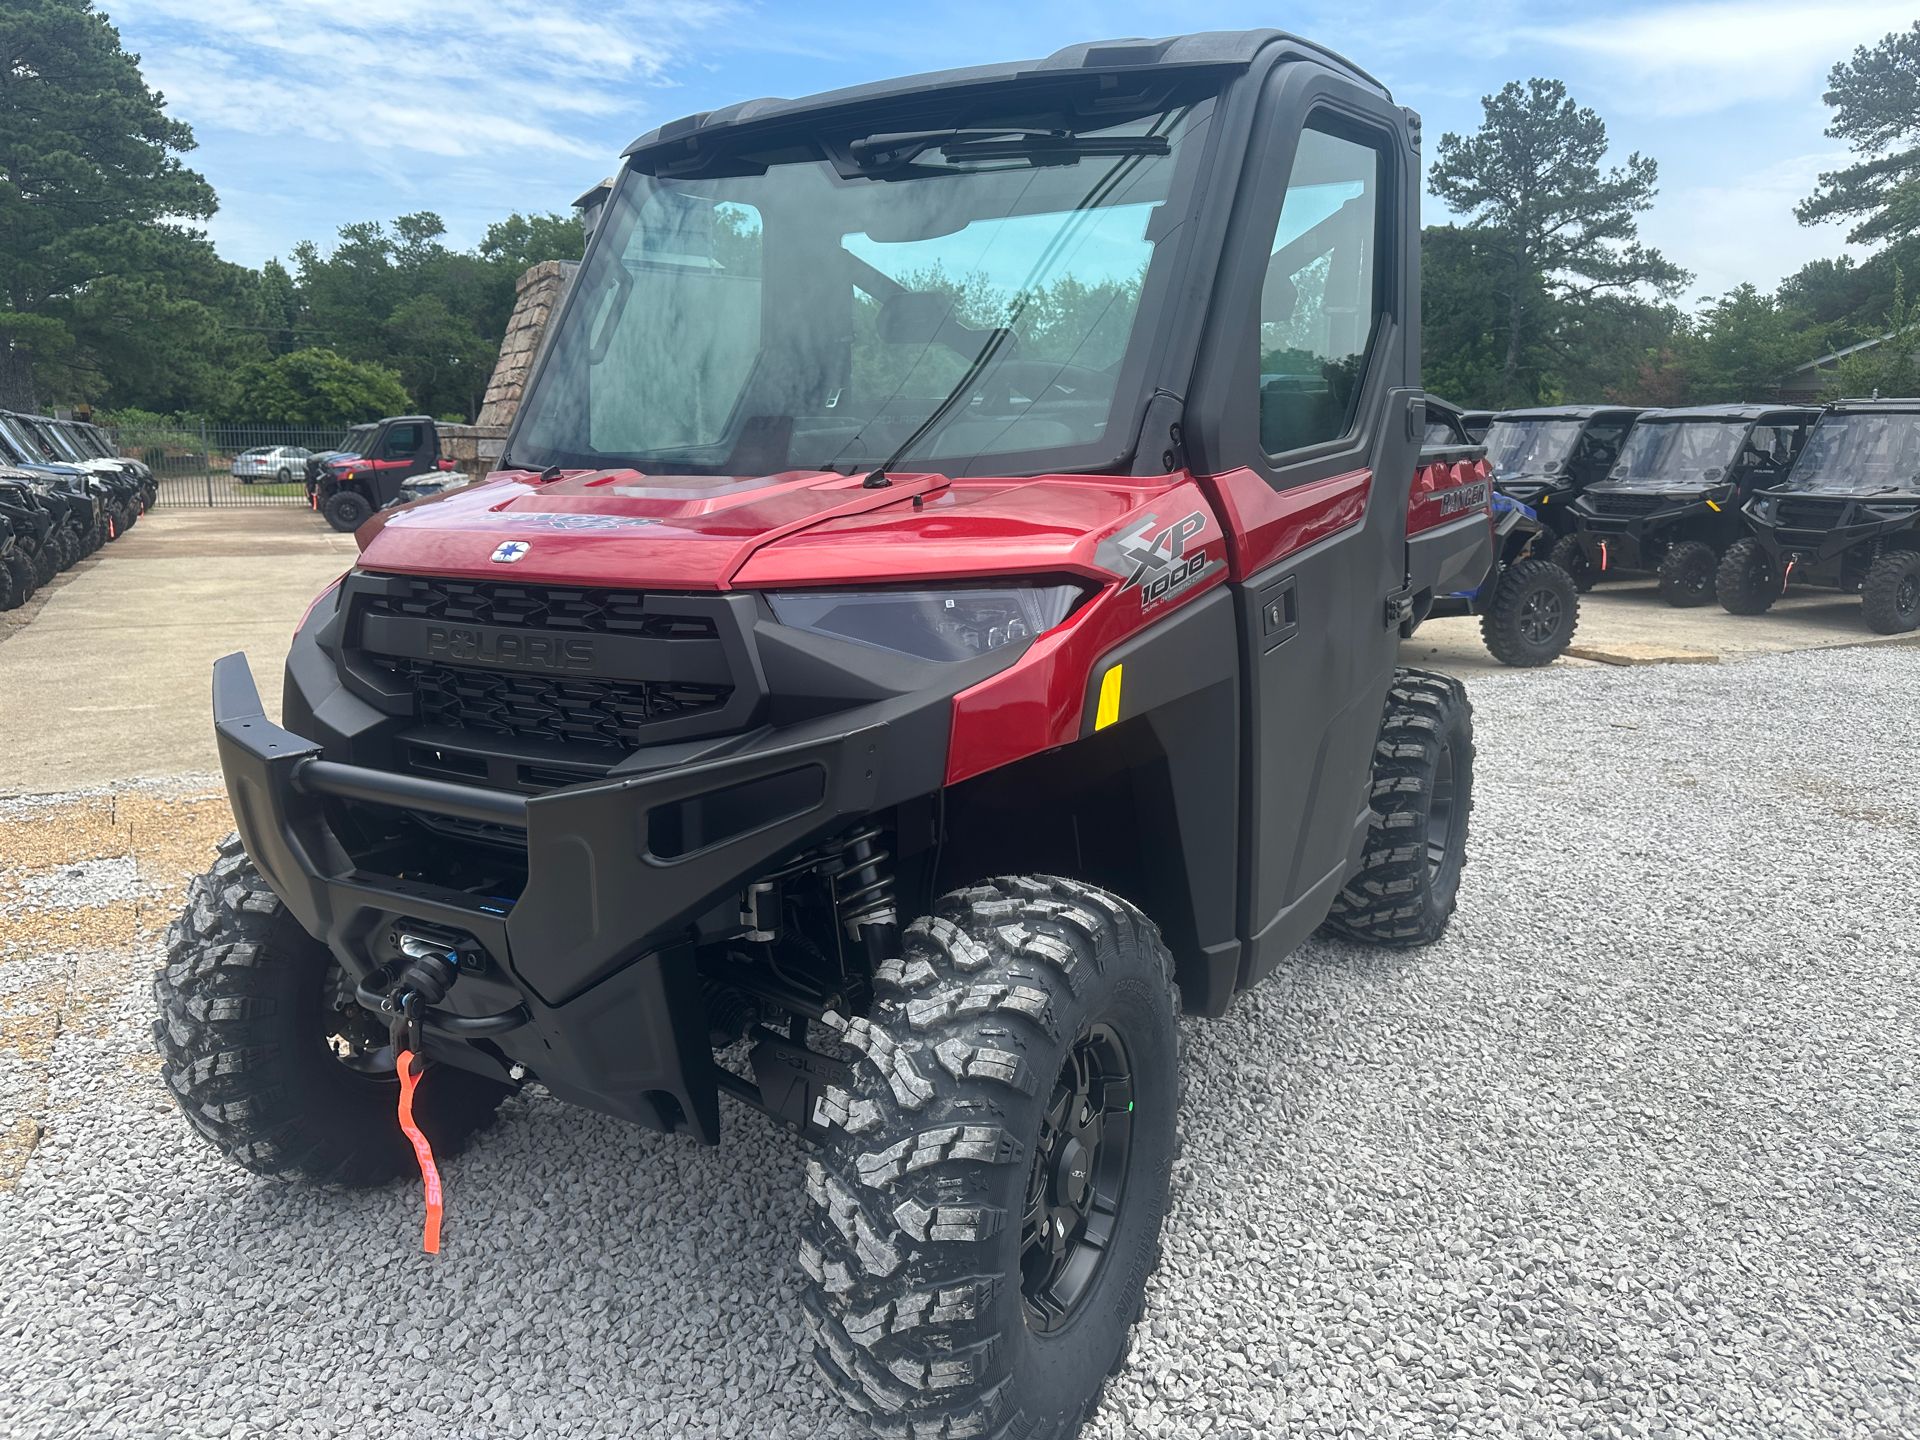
{"x":1467,"y":497}
{"x":457,"y":643}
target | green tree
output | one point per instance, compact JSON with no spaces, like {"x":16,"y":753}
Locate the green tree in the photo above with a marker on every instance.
{"x":1742,"y":343}
{"x":316,"y":386}
{"x":1460,"y":315}
{"x":1875,"y":97}
{"x":396,"y":294}
{"x":1558,"y":229}
{"x":1889,"y":367}
{"x":520,"y":241}
{"x":92,"y":191}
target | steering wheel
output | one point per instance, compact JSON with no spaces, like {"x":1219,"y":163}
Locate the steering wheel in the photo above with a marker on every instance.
{"x":1040,"y":380}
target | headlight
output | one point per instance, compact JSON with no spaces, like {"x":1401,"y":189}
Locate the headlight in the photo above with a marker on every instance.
{"x":929,"y":624}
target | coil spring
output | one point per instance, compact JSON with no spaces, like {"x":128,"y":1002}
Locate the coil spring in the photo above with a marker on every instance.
{"x":863,"y":886}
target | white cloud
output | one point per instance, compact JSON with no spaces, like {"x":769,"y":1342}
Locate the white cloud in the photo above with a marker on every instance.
{"x":1693,"y":59}
{"x":1743,"y":229}
{"x":439,"y":78}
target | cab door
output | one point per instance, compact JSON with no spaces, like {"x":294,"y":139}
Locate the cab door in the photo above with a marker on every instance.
{"x":1307,"y":425}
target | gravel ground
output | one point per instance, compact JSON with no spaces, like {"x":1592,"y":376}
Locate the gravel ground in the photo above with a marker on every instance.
{"x":1631,"y":1153}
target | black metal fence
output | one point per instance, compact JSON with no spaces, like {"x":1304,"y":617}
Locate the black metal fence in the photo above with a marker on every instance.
{"x":200,"y":465}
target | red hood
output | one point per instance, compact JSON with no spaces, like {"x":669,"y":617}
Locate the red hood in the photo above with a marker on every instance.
{"x":697,"y":532}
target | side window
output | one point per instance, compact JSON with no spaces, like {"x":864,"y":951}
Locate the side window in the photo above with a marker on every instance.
{"x":402,"y":441}
{"x":1322,"y":297}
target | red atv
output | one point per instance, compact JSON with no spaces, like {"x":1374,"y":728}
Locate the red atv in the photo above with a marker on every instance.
{"x":366,"y":473}
{"x":937,"y":623}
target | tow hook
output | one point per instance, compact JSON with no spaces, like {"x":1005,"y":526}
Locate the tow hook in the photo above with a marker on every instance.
{"x":423,"y":982}
{"x":428,"y":967}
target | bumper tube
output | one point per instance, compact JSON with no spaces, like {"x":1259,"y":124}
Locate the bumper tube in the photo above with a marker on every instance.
{"x":596,"y":947}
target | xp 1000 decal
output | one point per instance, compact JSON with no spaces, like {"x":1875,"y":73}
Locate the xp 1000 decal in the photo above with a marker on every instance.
{"x":1155,"y":558}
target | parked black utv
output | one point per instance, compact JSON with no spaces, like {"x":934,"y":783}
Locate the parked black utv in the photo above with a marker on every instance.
{"x":61,"y":443}
{"x":34,"y":559}
{"x":77,"y":498}
{"x":1847,"y":516}
{"x":1671,"y":504}
{"x":1546,"y":457}
{"x":11,"y":595}
{"x":93,"y":440}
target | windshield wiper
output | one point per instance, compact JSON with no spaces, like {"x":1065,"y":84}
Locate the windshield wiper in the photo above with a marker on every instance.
{"x":997,"y":341}
{"x":1040,"y":147}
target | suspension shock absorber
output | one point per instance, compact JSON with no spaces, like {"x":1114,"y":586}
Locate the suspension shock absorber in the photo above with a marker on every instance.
{"x":863,"y":894}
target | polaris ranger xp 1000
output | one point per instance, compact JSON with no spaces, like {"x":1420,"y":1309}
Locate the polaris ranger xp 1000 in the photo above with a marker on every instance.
{"x":1671,"y":504}
{"x":367,"y":472}
{"x":1545,"y":458}
{"x":936,"y":622}
{"x":1847,"y":515}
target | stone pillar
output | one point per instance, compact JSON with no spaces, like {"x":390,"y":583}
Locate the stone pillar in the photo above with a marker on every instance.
{"x":538,"y":293}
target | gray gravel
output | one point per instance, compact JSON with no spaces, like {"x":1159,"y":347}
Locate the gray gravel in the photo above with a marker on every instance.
{"x":1633,"y":1152}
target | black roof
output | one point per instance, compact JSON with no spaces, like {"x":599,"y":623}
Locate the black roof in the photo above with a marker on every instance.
{"x":1886,"y":407}
{"x":1220,"y":49}
{"x":1570,"y":412}
{"x":1730,"y":412}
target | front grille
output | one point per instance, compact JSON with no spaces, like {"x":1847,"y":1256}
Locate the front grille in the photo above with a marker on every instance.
{"x":608,"y":714}
{"x":1800,"y":512}
{"x":1624,"y":502}
{"x":535,"y":607}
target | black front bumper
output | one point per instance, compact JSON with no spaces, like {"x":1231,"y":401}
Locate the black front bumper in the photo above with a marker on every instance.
{"x":588,"y":976}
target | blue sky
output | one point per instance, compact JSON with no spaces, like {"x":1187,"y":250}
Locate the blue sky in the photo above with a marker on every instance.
{"x":313,"y":113}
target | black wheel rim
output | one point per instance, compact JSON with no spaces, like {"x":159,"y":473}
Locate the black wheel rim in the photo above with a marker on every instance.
{"x":1078,"y":1180}
{"x":1441,"y":812}
{"x":1698,"y":576}
{"x":1907,"y":599}
{"x":1540,"y":617}
{"x":353,"y":1035}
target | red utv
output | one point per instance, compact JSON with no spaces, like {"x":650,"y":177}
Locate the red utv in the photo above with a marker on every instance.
{"x":937,"y":623}
{"x":347,"y":485}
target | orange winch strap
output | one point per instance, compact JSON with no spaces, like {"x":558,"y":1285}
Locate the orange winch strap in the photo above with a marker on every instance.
{"x":411,"y":1067}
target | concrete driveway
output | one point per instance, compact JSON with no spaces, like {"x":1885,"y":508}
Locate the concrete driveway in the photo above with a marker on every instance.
{"x":1625,"y":622}
{"x":104,"y":674}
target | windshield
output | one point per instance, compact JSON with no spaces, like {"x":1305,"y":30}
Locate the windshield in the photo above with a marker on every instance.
{"x":961,"y":297}
{"x":62,"y":447}
{"x":1680,"y":452}
{"x":1531,"y":447}
{"x":1860,"y":454}
{"x":22,"y":440}
{"x":356,"y":440}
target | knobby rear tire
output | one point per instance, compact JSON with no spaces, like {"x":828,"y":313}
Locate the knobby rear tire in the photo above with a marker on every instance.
{"x":1406,"y":888}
